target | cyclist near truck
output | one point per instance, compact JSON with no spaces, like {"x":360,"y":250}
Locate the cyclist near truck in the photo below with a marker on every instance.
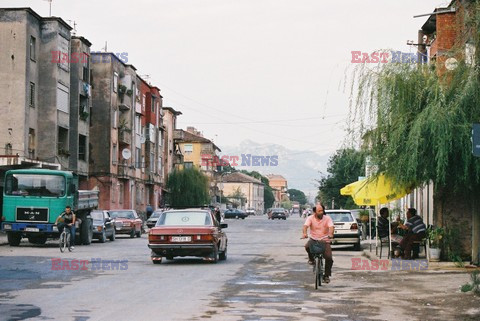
{"x":321,"y":227}
{"x":68,"y":218}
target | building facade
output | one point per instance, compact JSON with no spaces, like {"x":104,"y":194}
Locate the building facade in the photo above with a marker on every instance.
{"x":248,"y":187}
{"x":44,"y":72}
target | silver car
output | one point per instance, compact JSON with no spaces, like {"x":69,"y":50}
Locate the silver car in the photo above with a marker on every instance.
{"x":152,"y":220}
{"x":346,"y":228}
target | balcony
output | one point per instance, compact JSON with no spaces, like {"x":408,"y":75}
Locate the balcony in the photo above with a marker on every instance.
{"x":123,"y":172}
{"x":178,"y":134}
{"x":125,"y":137}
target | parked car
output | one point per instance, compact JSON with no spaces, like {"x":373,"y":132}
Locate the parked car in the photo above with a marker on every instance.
{"x":103,"y":226}
{"x":346,"y":228}
{"x":190,"y":232}
{"x":127,"y":222}
{"x":272,"y":210}
{"x":250,"y":211}
{"x":153,"y":219}
{"x":279,"y":213}
{"x":235,"y":213}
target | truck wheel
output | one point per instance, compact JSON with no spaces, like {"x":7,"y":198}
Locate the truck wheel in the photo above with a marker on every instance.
{"x":14,"y":238}
{"x":86,"y":232}
{"x":40,"y":240}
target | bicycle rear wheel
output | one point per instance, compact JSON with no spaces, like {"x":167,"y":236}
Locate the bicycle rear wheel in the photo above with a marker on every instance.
{"x":63,"y":242}
{"x":320,"y":270}
{"x":317,"y":272}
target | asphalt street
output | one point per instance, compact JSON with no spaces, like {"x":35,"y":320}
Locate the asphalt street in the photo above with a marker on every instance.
{"x":266,"y":277}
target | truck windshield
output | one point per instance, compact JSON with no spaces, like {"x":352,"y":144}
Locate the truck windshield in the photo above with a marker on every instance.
{"x":35,"y":185}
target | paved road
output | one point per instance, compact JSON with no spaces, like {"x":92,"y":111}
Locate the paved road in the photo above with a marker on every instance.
{"x":265,"y":278}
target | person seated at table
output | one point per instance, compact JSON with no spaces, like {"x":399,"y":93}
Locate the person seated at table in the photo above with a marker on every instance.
{"x":383,"y":227}
{"x":416,"y":230}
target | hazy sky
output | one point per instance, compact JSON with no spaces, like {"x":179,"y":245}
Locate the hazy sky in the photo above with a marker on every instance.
{"x":266,"y":70}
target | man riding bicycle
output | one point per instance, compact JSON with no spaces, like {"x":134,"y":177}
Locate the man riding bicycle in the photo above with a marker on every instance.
{"x":321,"y":227}
{"x":68,"y":221}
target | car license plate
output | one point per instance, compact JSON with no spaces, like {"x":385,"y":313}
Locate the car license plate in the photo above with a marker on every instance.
{"x":31,"y":229}
{"x":181,"y":238}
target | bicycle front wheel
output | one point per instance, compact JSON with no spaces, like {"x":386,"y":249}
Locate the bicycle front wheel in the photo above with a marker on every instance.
{"x":317,"y":273}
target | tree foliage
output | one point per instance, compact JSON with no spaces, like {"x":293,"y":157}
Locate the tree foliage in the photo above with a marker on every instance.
{"x":344,"y":167}
{"x":418,"y":118}
{"x":187,"y":188}
{"x":297,"y":196}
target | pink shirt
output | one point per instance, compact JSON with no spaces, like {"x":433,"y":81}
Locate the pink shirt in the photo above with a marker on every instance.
{"x":319,"y":228}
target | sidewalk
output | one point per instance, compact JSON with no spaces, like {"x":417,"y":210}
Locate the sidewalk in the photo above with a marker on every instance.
{"x":432,"y":266}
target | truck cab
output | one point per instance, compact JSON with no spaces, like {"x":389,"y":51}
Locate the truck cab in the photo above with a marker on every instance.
{"x":34,"y":198}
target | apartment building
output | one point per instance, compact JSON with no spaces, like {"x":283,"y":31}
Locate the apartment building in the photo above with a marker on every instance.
{"x":248,"y":186}
{"x":43,"y":72}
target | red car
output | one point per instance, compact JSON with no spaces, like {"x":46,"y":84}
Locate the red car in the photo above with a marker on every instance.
{"x":190,"y":232}
{"x":127,"y":222}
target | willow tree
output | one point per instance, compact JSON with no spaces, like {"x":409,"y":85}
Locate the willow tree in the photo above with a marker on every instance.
{"x":187,"y":188}
{"x":416,"y":123}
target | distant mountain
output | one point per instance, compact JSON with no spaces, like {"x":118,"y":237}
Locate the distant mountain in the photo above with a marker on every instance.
{"x":300,"y":168}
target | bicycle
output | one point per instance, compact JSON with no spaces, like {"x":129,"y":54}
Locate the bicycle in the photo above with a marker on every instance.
{"x":65,"y":240}
{"x":317,"y":248}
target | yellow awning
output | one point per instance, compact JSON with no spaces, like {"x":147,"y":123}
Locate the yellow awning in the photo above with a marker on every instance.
{"x":352,"y":187}
{"x":379,"y":189}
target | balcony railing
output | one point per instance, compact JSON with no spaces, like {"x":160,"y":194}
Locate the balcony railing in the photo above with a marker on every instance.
{"x":123,"y":171}
{"x":125,"y":137}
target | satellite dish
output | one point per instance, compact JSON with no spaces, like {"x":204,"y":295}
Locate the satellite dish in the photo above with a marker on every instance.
{"x":126,"y":153}
{"x":451,"y":63}
{"x":142,"y":139}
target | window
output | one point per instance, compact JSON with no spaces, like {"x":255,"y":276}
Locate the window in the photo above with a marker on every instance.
{"x":138,"y":157}
{"x":153,"y":104}
{"x":31,"y":143}
{"x":83,"y":108}
{"x":35,"y":185}
{"x":143,"y":164}
{"x":114,"y":153}
{"x":159,"y":167}
{"x":82,"y":147}
{"x":138,"y":126}
{"x":152,"y":162}
{"x":115,"y":82}
{"x":115,"y":116}
{"x":188,"y":148}
{"x":188,"y":165}
{"x":185,"y":218}
{"x":85,"y":63}
{"x":63,"y":48}
{"x":33,"y":49}
{"x":32,"y":94}
{"x":120,"y":193}
{"x":63,"y":102}
{"x":62,"y":144}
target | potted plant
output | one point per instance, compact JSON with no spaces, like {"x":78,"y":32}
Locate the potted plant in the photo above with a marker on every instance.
{"x":129,"y":92}
{"x":435,"y":236}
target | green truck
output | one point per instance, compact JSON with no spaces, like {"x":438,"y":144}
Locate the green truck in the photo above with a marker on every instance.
{"x":34,"y":198}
